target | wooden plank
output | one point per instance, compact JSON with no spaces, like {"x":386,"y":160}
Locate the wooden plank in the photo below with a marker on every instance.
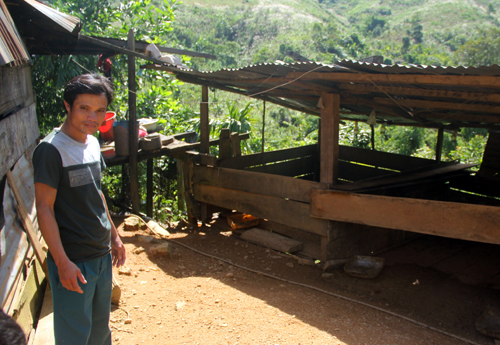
{"x":258,"y":183}
{"x":329,"y":147}
{"x":417,"y":103}
{"x":26,"y":220}
{"x":235,"y":144}
{"x":356,"y":172}
{"x":456,"y":220}
{"x":402,"y":178}
{"x":292,"y":168}
{"x":149,"y":188}
{"x":272,"y":240}
{"x":279,"y":210}
{"x":224,"y":144}
{"x":451,"y":80}
{"x":383,"y":159}
{"x":15,"y":88}
{"x":132,"y":125}
{"x":268,"y":157}
{"x":17,"y":133}
{"x":409,"y":91}
{"x":204,"y":122}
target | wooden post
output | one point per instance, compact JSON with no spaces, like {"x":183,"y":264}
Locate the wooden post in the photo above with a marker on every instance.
{"x":224,"y":144}
{"x":263,"y":126}
{"x":204,"y":124}
{"x":132,"y":125}
{"x":329,"y":130}
{"x":372,"y":139}
{"x":439,"y":144}
{"x":235,"y":144}
{"x":150,"y":192}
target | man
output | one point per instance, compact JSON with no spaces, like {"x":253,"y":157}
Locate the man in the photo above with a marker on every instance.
{"x":74,"y":219}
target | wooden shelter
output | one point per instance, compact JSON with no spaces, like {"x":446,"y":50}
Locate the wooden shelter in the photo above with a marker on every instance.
{"x":354,"y":201}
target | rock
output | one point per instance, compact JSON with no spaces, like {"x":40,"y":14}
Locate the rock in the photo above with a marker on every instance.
{"x":163,"y":250}
{"x":128,"y":321}
{"x":131,"y":224}
{"x":327,"y":275}
{"x":179,"y":305}
{"x":157,"y":229}
{"x":139,"y":250}
{"x":229,"y":275}
{"x":489,"y":322}
{"x":125,"y":270}
{"x":289,"y":264}
{"x":306,"y":261}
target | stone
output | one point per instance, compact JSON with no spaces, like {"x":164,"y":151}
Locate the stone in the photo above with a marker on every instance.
{"x":125,"y":270}
{"x":179,"y":305}
{"x":489,"y":322}
{"x":157,"y":229}
{"x":128,"y":321}
{"x":306,"y":261}
{"x":327,"y":275}
{"x":289,"y":264}
{"x":163,"y":250}
{"x":116,"y":292}
{"x":229,"y":275}
{"x":131,"y":224}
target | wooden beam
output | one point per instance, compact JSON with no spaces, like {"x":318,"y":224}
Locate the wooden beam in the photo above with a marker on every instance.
{"x":224,"y":144}
{"x":439,"y":144}
{"x":282,"y":211}
{"x":450,"y":80}
{"x":132,"y":127}
{"x":268,"y":157}
{"x":292,"y":168}
{"x":363,"y":89}
{"x":149,"y":188}
{"x":455,"y":220}
{"x":330,"y":121}
{"x":204,"y":122}
{"x":235,"y":144}
{"x":263,"y":127}
{"x":283,"y":187}
{"x":416,"y":103}
{"x":27,"y":223}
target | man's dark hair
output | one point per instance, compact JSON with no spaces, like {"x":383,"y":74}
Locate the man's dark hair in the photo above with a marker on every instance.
{"x":10,"y":332}
{"x":93,"y":84}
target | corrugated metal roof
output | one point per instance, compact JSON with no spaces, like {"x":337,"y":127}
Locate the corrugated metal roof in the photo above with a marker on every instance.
{"x":12,"y":49}
{"x":416,"y":95}
{"x":64,"y":21}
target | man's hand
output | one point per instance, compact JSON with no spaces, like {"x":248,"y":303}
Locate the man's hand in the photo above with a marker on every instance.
{"x":69,"y":274}
{"x":118,"y":251}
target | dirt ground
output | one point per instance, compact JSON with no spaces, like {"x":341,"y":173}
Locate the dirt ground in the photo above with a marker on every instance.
{"x":191,"y":298}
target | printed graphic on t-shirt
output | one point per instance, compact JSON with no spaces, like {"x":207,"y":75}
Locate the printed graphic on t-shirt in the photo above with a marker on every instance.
{"x":83,"y":176}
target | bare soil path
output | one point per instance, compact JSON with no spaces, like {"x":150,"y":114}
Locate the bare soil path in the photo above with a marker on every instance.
{"x":189,"y":298}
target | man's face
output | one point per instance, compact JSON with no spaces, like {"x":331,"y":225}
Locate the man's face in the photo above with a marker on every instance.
{"x":86,"y":115}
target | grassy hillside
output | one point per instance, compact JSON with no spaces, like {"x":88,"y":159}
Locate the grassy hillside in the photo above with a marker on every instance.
{"x":244,"y":32}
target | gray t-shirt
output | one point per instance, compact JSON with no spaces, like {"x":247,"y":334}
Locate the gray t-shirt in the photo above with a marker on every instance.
{"x":74,"y":169}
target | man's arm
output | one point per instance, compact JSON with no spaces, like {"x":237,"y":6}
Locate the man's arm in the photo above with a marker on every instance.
{"x":117,"y":248}
{"x":69,"y":273}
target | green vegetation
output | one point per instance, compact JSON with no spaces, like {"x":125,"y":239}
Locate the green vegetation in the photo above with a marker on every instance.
{"x":247,"y":32}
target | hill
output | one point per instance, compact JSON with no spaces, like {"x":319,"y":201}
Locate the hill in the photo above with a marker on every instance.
{"x":403,"y":31}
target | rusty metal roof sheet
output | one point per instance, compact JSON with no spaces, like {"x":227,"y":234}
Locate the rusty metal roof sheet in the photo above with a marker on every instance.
{"x":63,"y":21}
{"x":414,"y":95}
{"x":12,"y":49}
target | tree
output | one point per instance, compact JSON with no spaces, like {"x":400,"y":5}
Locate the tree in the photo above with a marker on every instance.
{"x":484,"y":50}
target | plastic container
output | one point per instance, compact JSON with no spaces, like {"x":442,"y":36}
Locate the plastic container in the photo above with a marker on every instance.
{"x":106,"y":128}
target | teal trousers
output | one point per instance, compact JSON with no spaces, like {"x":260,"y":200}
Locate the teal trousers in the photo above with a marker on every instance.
{"x":83,"y":319}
